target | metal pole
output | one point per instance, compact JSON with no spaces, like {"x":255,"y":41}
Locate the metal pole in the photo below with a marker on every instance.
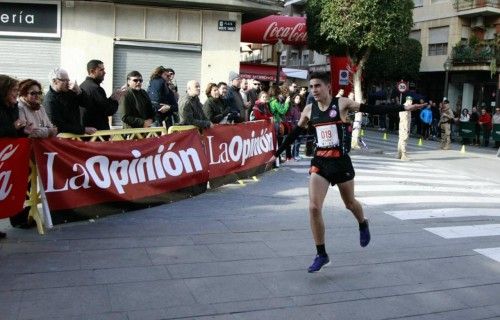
{"x":445,"y":93}
{"x":278,"y":69}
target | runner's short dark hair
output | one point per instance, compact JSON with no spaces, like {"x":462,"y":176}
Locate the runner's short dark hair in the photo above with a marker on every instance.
{"x":323,"y":76}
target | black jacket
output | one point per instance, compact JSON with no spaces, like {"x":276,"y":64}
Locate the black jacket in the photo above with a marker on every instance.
{"x":8,"y":115}
{"x":63,"y":109}
{"x":136,"y":107}
{"x":100,"y":107}
{"x":191,"y":112}
{"x":159,"y":93}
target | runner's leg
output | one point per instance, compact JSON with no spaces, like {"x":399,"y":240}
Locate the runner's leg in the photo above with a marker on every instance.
{"x":318,"y":187}
{"x":347,"y":193}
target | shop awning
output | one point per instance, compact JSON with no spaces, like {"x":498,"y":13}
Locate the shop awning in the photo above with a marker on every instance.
{"x":260,"y":72}
{"x":291,"y":30}
{"x":295,"y":73}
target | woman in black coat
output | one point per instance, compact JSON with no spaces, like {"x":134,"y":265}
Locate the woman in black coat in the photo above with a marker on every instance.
{"x":163,"y":98}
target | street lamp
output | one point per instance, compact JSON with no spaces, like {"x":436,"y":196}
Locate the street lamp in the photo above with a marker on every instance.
{"x":279,"y":49}
{"x":447,"y":67}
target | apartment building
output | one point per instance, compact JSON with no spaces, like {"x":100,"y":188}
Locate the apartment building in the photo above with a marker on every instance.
{"x":460,"y":38}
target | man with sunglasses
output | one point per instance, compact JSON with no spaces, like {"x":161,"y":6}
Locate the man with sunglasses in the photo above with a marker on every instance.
{"x":101,"y":107}
{"x":136,"y":107}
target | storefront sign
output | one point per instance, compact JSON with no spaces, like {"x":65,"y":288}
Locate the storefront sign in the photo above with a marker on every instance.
{"x":235,"y":148}
{"x":227,"y":25}
{"x":76,"y":174}
{"x":30,"y":18}
{"x":291,"y":30}
{"x":14,"y":163}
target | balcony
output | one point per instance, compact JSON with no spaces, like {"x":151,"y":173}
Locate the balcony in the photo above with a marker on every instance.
{"x":476,"y":56}
{"x":477,"y":7}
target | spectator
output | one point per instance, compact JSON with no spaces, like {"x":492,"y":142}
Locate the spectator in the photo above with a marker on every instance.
{"x":32,"y":111}
{"x":279,"y":106}
{"x":292,"y":89}
{"x":171,"y":83}
{"x":223,"y":92}
{"x":292,"y":118}
{"x":485,"y":122}
{"x":464,"y":118}
{"x":445,"y":125}
{"x":234,"y":99}
{"x":303,"y":92}
{"x":10,"y":124}
{"x":63,"y":102}
{"x":136,"y":107}
{"x":426,"y":120}
{"x":474,"y":118}
{"x":496,"y":120}
{"x":214,"y":108}
{"x":100,"y":107}
{"x":191,"y":109}
{"x":261,"y":109}
{"x":253,"y":92}
{"x":162,"y":97}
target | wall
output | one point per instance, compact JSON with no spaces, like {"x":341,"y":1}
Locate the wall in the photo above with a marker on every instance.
{"x":220,"y":49}
{"x":87,"y":33}
{"x":90,"y":28}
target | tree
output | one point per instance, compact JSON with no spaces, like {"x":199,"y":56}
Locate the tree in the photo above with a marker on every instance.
{"x":354,"y":28}
{"x":401,"y":61}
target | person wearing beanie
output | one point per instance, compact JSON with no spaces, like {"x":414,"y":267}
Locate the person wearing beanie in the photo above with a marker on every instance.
{"x":404,"y":130}
{"x":234,"y":99}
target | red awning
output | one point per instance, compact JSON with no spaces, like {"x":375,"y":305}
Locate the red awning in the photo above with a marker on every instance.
{"x":291,"y":30}
{"x":260,"y":72}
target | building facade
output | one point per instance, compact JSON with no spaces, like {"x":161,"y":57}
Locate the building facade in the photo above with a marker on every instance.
{"x":198,"y":39}
{"x":462,"y":36}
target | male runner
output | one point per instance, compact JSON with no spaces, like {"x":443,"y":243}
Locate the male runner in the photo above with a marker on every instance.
{"x":331,"y":163}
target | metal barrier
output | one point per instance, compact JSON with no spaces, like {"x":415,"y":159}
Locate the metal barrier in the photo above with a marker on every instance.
{"x":117,"y":135}
{"x":178,"y":128}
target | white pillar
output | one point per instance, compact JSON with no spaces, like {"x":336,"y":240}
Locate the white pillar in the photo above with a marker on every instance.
{"x":468,"y":95}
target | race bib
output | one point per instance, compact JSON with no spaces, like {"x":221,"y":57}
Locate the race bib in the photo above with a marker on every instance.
{"x":327,"y":136}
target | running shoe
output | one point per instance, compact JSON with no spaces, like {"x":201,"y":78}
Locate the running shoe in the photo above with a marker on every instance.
{"x":364,"y":235}
{"x":318,"y":263}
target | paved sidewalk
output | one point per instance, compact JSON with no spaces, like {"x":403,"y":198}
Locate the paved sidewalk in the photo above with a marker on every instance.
{"x":241,"y":252}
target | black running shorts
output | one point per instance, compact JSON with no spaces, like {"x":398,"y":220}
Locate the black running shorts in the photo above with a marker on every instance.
{"x":335,"y":170}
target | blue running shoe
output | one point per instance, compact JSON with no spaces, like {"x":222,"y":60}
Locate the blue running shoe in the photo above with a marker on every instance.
{"x":318,"y":263}
{"x":364,"y":235}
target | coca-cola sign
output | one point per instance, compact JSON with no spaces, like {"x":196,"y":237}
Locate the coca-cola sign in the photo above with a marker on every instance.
{"x":291,"y":30}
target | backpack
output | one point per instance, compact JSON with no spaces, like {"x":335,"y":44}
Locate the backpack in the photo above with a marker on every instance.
{"x":426,"y":116}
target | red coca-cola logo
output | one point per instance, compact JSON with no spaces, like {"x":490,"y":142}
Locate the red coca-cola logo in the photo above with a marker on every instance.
{"x":294,"y":34}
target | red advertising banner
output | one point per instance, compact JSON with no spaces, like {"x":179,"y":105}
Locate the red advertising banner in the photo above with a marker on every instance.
{"x":14,"y":171}
{"x":291,"y":30}
{"x":235,"y":148}
{"x":76,"y":174}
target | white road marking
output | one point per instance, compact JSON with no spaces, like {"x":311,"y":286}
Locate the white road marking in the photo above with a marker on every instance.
{"x":444,"y":213}
{"x":409,"y":173}
{"x":493,"y":253}
{"x":427,"y":199}
{"x":409,"y":188}
{"x":450,"y":181}
{"x":481,"y":230}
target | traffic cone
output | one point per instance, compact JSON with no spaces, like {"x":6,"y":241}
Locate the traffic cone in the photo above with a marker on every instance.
{"x":362,"y":133}
{"x":385,"y":136}
{"x":463,"y":149}
{"x":419,"y":142}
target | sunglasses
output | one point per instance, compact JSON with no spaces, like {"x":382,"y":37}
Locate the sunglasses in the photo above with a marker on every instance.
{"x":63,"y":80}
{"x":35,"y":93}
{"x":137,"y":80}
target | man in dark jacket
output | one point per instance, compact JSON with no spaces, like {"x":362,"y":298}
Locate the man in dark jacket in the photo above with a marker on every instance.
{"x":63,"y":102}
{"x":191,"y":109}
{"x":234,"y":100}
{"x":100,"y":108}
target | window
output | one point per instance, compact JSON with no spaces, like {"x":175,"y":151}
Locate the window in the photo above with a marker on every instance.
{"x":438,"y":41}
{"x":418,"y":3}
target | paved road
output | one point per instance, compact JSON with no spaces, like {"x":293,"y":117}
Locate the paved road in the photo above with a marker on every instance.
{"x":241,"y":251}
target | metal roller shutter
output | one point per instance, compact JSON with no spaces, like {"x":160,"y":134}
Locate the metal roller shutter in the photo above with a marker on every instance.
{"x":30,"y":58}
{"x":185,"y":60}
